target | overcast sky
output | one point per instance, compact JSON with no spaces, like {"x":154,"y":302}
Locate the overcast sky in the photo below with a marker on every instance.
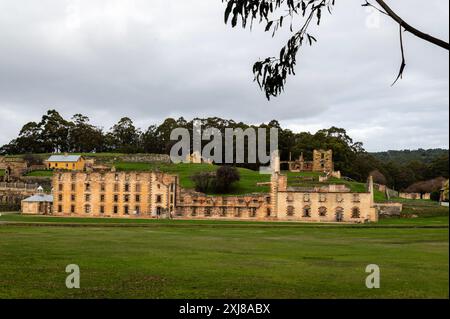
{"x":152,"y":59}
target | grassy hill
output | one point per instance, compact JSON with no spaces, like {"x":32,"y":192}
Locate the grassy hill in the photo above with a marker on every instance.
{"x":249,"y":178}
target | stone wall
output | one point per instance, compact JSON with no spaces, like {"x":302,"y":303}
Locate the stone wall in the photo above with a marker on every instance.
{"x":323,"y":161}
{"x":426,"y":196}
{"x":326,"y":207}
{"x":146,"y":158}
{"x":386,"y":210}
{"x":197,"y":205}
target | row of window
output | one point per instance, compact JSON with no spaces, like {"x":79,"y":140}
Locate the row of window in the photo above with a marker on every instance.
{"x":87,"y":187}
{"x":126,"y":210}
{"x":126,"y":198}
{"x":73,"y":177}
{"x":56,"y":165}
{"x":323,"y":212}
{"x":324,"y":197}
{"x":225,"y":201}
{"x":238,"y":212}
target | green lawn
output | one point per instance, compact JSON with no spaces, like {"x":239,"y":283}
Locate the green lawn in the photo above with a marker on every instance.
{"x":225,"y":261}
{"x":43,"y":173}
{"x":433,"y":221}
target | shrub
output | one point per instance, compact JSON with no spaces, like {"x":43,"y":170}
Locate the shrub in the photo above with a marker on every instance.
{"x":225,"y":177}
{"x":202,"y":181}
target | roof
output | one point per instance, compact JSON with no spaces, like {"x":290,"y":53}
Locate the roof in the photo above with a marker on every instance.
{"x":39,"y":198}
{"x":64,"y":158}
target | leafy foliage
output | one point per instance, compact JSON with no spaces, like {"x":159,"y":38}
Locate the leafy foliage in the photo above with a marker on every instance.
{"x":203,"y":181}
{"x":225,"y":177}
{"x":220,"y":181}
{"x":271,"y":73}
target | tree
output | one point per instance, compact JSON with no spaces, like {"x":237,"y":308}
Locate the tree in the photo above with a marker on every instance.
{"x":378,"y":177}
{"x":439,"y":167}
{"x":430,"y":186}
{"x":83,"y":136}
{"x":226,"y":176}
{"x":29,"y":140}
{"x":150,"y":140}
{"x":202,"y":181}
{"x":55,"y":132}
{"x":125,"y":137}
{"x":271,"y":73}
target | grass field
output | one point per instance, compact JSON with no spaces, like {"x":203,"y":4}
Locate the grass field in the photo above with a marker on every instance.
{"x":43,"y":173}
{"x":208,"y":259}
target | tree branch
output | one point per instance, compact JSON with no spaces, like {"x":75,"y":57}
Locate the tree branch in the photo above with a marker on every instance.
{"x":411,"y":29}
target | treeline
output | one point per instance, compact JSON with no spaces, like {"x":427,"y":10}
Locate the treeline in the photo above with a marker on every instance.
{"x":55,"y":134}
{"x":404,"y":157}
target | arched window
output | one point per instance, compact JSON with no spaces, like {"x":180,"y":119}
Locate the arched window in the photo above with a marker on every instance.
{"x":322,"y":211}
{"x":356,"y":212}
{"x":87,"y":209}
{"x":307,"y":211}
{"x":290,"y":211}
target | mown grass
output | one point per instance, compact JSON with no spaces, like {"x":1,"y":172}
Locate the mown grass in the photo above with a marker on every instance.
{"x":426,"y":220}
{"x":40,"y":173}
{"x":222,"y":262}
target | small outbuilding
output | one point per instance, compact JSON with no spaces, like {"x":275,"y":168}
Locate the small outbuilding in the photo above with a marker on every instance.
{"x":38,"y":204}
{"x":66,"y":162}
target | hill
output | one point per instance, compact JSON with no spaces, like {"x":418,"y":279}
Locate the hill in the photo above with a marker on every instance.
{"x":404,"y":157}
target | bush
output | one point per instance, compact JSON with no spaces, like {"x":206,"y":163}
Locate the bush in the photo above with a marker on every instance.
{"x":225,"y":177}
{"x":202,"y":181}
{"x":9,"y":208}
{"x":220,"y":182}
{"x":435,"y":196}
{"x":32,"y":159}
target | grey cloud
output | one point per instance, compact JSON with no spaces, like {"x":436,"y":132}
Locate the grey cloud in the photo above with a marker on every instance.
{"x":154,"y":59}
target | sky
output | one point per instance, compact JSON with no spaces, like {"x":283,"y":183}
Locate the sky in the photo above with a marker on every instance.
{"x":153,"y":59}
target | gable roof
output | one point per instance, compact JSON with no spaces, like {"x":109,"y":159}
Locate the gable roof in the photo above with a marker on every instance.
{"x":64,"y":158}
{"x":39,"y":198}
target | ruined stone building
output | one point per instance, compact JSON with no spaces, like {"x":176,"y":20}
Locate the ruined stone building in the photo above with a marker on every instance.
{"x":154,"y":194}
{"x":107,"y":193}
{"x":13,"y":168}
{"x":322,"y":162}
{"x":114,"y":194}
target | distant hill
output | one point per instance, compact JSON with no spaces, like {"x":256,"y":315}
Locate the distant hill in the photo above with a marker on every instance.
{"x":406,"y":156}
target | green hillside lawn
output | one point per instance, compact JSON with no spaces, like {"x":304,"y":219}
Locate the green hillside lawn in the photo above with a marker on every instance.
{"x":249,"y":178}
{"x":44,"y":173}
{"x":224,"y":261}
